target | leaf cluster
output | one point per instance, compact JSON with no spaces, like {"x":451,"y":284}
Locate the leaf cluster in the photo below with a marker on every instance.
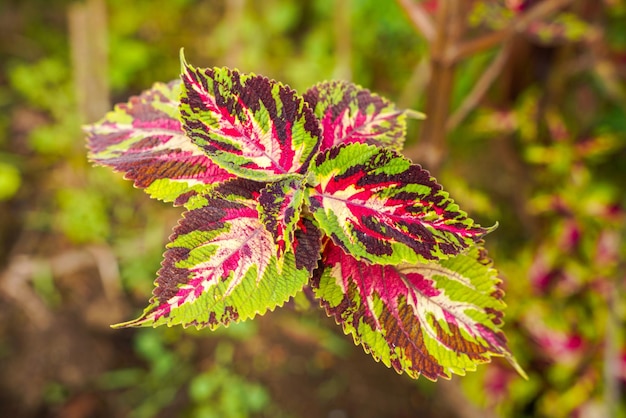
{"x":283,"y":191}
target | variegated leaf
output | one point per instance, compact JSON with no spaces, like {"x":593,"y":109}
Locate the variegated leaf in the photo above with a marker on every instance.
{"x":144,"y":139}
{"x":431,"y":319}
{"x":236,"y":190}
{"x":221,"y":267}
{"x":280,"y":204}
{"x":350,"y":113}
{"x":380,"y":207}
{"x":250,"y":125}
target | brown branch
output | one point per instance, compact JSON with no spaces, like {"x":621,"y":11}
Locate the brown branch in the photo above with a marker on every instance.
{"x":450,"y":22}
{"x":343,"y":41}
{"x":472,"y":100}
{"x":233,"y":18}
{"x":88,"y":41}
{"x":446,"y":52}
{"x":480,"y":89}
{"x":420,"y":19}
{"x":542,"y":10}
{"x":468,"y":48}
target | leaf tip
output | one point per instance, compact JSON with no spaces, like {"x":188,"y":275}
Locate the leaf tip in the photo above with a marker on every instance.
{"x":142,"y":321}
{"x":122,"y":325}
{"x":414,"y":114}
{"x":492,"y":228}
{"x":516,"y":366}
{"x":183,"y":62}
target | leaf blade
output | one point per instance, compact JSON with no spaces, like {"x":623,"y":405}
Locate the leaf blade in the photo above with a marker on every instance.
{"x":250,"y":125}
{"x":220,"y":267}
{"x":144,"y":139}
{"x":349,"y":113}
{"x":432,"y":319}
{"x":380,"y":207}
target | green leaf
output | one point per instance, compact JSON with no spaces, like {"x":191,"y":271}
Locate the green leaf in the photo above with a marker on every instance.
{"x":221,"y":266}
{"x":431,"y":319}
{"x":251,"y":126}
{"x":380,"y":207}
{"x":143,"y":138}
{"x":349,"y":113}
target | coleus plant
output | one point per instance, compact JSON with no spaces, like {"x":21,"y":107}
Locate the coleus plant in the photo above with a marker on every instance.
{"x":284,"y":191}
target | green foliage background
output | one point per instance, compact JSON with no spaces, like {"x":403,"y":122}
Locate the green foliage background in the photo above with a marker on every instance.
{"x":543,"y":153}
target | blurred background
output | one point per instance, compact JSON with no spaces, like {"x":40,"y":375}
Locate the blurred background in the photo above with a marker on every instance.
{"x":526,"y":126}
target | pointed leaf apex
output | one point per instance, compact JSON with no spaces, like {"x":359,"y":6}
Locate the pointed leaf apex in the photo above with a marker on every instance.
{"x":249,"y":125}
{"x":430,"y":319}
{"x":516,"y":366}
{"x":134,"y":323}
{"x":414,"y":114}
{"x":183,"y":61}
{"x":492,"y":228}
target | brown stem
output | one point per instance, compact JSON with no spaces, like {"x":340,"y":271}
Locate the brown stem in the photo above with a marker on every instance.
{"x":446,"y":52}
{"x":480,"y":89}
{"x":420,"y":19}
{"x":88,"y":41}
{"x":476,"y":45}
{"x":343,"y":41}
{"x":233,"y":17}
{"x":542,"y":10}
{"x":450,"y":26}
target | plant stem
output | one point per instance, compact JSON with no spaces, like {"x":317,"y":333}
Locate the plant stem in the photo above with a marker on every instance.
{"x":420,"y":19}
{"x":234,"y":17}
{"x":542,"y":10}
{"x":449,"y":28}
{"x":343,"y":41}
{"x":480,"y":88}
{"x":88,"y":42}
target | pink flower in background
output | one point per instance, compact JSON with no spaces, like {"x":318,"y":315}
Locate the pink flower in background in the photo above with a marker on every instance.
{"x":542,"y":275}
{"x":570,"y":237}
{"x":562,"y":346}
{"x":496,"y":383}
